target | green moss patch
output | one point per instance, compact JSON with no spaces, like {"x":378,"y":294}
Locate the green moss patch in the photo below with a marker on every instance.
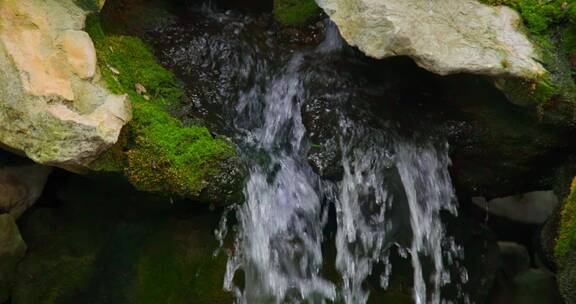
{"x":567,"y":229}
{"x":157,"y":152}
{"x":295,"y":12}
{"x":540,"y":15}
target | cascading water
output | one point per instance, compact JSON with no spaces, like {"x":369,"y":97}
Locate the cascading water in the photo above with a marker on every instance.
{"x":390,"y":185}
{"x":279,"y":243}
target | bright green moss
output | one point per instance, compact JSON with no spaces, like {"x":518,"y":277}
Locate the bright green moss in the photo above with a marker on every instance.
{"x":567,"y":229}
{"x":294,"y":12}
{"x":159,"y":154}
{"x":539,"y":15}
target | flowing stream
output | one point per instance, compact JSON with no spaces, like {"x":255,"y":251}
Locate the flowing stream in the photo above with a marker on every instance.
{"x":279,"y":241}
{"x":389,"y":200}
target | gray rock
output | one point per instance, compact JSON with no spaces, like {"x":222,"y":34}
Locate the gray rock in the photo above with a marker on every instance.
{"x":514,"y":258}
{"x":442,"y":36}
{"x":533,"y":207}
{"x":21,"y":186}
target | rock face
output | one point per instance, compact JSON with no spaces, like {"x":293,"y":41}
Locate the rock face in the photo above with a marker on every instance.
{"x":53,"y":106}
{"x":20,"y":187}
{"x":12,"y":249}
{"x":442,"y":36}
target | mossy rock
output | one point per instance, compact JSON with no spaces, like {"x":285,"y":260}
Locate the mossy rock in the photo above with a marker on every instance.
{"x":551,"y":25}
{"x":156,"y":152}
{"x":106,"y":243}
{"x":295,"y":12}
{"x":564,"y":244}
{"x":567,"y":229}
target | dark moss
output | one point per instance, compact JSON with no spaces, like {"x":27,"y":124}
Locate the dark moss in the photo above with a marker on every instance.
{"x":105,"y":243}
{"x":566,"y":277}
{"x":158,"y":154}
{"x":567,"y":229}
{"x":295,"y":12}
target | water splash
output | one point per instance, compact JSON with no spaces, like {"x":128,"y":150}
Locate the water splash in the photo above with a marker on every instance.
{"x":424,"y":173}
{"x":278,"y":246}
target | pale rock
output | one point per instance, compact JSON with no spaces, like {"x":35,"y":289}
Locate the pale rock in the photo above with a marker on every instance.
{"x":54,"y":107}
{"x":80,"y":52}
{"x":532,"y":207}
{"x":442,"y":36}
{"x":20,"y":187}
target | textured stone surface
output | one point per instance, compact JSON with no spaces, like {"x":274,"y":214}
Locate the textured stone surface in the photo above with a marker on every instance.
{"x":20,"y":187}
{"x":533,"y":207}
{"x":12,"y":249}
{"x":53,"y":106}
{"x":442,"y":36}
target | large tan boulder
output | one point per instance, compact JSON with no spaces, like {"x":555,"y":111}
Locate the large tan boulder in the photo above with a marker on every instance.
{"x":442,"y":36}
{"x":53,"y":105}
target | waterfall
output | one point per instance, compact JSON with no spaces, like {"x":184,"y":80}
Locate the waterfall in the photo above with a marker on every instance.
{"x":278,"y":245}
{"x":387,"y":179}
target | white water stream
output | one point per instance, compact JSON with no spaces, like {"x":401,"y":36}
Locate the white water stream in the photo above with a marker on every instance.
{"x":278,"y":243}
